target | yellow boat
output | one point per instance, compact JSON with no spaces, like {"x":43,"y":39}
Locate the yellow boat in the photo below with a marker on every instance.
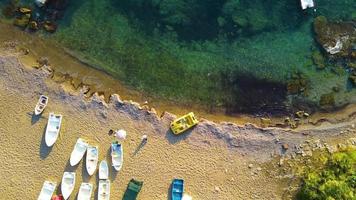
{"x":183,"y":123}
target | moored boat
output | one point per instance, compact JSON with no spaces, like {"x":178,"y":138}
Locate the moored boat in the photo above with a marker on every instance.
{"x":41,"y":104}
{"x":92,"y":159}
{"x":117,"y":155}
{"x":67,"y":184}
{"x":103,"y":170}
{"x":85,"y":191}
{"x":53,"y":128}
{"x":104,"y":190}
{"x":78,"y":152}
{"x":47,"y":190}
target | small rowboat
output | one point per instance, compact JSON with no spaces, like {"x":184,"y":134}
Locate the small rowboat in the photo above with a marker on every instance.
{"x":117,"y":156}
{"x":53,"y":127}
{"x":103,"y":170}
{"x":47,"y":190}
{"x":85,"y":191}
{"x":78,"y":152}
{"x":104,"y":190}
{"x":92,"y":159}
{"x":67,"y":185}
{"x":41,"y":104}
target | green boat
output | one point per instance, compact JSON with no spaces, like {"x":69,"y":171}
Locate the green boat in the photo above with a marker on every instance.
{"x":132,"y":190}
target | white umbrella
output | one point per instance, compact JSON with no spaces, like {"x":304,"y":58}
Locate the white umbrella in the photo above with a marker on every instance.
{"x":120,"y":134}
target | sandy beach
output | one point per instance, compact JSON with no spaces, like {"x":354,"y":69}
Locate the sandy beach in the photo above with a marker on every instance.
{"x":216,"y":160}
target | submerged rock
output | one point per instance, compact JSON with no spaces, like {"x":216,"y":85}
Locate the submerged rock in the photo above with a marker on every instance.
{"x":337,"y":38}
{"x":22,"y":21}
{"x":318,"y":59}
{"x":327,"y":100}
{"x":50,"y":27}
{"x":298,"y":84}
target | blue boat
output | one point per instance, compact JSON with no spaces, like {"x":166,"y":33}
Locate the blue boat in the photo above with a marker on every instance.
{"x":177,"y":189}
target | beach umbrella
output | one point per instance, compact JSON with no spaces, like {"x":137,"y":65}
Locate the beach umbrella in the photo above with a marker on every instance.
{"x":120,"y":134}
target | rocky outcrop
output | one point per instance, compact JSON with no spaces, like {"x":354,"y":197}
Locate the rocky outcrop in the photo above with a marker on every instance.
{"x":337,"y":38}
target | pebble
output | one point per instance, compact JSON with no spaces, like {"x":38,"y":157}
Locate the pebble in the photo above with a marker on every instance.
{"x":217,"y":189}
{"x":250,"y":166}
{"x":352,"y":125}
{"x":259,"y":168}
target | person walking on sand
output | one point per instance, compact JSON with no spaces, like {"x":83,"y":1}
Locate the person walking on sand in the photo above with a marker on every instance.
{"x":144,"y":139}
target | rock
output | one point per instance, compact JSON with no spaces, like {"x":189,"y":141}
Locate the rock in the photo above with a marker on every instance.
{"x":250,"y":166}
{"x":318,"y":59}
{"x":42,"y":61}
{"x":217,"y":189}
{"x":281,"y":162}
{"x":24,"y":10}
{"x":33,"y":25}
{"x":22,"y":21}
{"x":50,"y":27}
{"x":259,"y":168}
{"x":352,"y":125}
{"x":298,"y":84}
{"x":337,"y":38}
{"x":285,"y":147}
{"x":352,"y":78}
{"x":327,"y":100}
{"x":299,"y":114}
{"x":305,"y":114}
{"x":265,"y":121}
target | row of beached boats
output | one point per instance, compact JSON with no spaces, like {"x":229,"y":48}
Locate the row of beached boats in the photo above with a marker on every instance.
{"x":80,"y":148}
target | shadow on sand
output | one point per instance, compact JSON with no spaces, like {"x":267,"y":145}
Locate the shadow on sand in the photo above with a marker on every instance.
{"x":139,"y":147}
{"x":44,"y":149}
{"x":35,"y":118}
{"x":173,"y":139}
{"x":169,"y":197}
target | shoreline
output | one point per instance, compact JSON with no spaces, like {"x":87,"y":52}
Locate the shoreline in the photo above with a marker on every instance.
{"x":83,"y":74}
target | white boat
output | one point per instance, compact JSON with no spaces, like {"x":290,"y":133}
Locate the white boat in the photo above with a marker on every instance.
{"x":47,"y":190}
{"x":85,"y":191}
{"x":307,"y":4}
{"x":67,"y":185}
{"x":104,"y":190}
{"x":40,"y":3}
{"x":53,"y":127}
{"x":78,"y":152}
{"x":103,"y":170}
{"x":41,"y":104}
{"x":117,"y":156}
{"x":92,"y":159}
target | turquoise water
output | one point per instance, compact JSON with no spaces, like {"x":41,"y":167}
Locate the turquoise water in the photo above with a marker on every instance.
{"x":239,"y":54}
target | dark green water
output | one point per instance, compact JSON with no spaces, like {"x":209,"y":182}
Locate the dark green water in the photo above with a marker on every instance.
{"x":237,"y":54}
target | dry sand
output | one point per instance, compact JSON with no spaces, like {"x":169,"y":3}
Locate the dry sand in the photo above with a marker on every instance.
{"x":213,"y":158}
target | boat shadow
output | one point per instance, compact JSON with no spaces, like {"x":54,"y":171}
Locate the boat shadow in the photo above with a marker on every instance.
{"x":96,"y":190}
{"x":112,"y":172}
{"x":85,"y":176}
{"x":35,"y":118}
{"x":173,"y":139}
{"x":44,"y":149}
{"x":70,"y":168}
{"x":169,"y":196}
